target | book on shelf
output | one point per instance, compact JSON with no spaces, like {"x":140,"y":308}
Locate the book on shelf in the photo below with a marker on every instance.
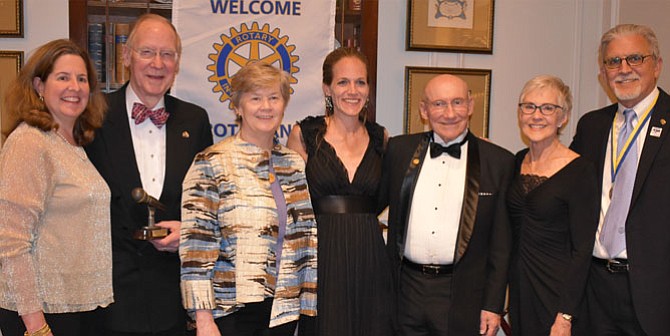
{"x":121,"y":31}
{"x":96,"y":49}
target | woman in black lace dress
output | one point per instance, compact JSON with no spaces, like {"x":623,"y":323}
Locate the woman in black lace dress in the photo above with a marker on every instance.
{"x":552,"y":204}
{"x":344,"y":157}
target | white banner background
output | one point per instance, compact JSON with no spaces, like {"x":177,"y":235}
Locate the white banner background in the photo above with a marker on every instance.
{"x":220,"y":36}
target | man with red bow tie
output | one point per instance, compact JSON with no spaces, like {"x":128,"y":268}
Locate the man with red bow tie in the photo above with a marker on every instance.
{"x":148,"y":140}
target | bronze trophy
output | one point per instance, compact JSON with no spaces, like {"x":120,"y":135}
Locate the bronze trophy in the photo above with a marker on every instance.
{"x":151,"y":231}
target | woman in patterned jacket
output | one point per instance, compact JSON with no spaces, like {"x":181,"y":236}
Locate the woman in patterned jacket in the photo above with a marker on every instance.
{"x":248,"y":236}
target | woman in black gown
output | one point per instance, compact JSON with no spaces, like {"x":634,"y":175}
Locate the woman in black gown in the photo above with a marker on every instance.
{"x":344,"y":157}
{"x":554,"y":212}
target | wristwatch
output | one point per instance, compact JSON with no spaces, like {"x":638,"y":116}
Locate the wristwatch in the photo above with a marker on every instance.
{"x":567,"y":317}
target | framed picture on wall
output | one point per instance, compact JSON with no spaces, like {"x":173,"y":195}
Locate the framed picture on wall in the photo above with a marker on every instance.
{"x":450,"y":25}
{"x":479,"y":83}
{"x":11,"y":18}
{"x":10,"y":64}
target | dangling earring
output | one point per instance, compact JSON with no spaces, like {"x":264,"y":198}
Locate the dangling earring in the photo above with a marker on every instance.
{"x":363,"y":114}
{"x":329,"y":105}
{"x":41,"y":97}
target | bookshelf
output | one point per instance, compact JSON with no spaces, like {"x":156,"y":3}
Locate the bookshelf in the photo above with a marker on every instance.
{"x":94,"y":25}
{"x":355,"y":25}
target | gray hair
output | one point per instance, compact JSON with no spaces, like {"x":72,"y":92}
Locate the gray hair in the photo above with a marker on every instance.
{"x":153,"y":17}
{"x":628,"y":29}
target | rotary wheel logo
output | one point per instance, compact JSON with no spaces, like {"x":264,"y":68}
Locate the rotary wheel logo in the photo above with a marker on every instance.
{"x":247,"y":45}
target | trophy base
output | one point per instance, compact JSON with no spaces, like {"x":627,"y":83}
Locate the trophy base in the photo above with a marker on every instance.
{"x":150,"y":232}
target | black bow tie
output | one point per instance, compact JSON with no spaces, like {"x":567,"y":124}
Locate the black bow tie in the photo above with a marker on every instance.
{"x":453,"y":150}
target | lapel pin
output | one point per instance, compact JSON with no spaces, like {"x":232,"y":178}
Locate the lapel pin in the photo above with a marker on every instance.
{"x":415,"y":162}
{"x":656,"y":131}
{"x":185,"y":135}
{"x":663,"y":121}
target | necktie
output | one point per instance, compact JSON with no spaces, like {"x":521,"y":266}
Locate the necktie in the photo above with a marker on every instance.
{"x":613,"y":233}
{"x":158,"y":116}
{"x":453,"y":150}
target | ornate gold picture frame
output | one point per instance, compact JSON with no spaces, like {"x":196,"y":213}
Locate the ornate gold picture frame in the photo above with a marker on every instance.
{"x":10,"y":64}
{"x":479,"y":83}
{"x":11,"y":18}
{"x":450,"y":25}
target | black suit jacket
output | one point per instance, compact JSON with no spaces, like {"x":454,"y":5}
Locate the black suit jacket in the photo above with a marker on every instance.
{"x":483,"y":244}
{"x":146,"y":282}
{"x":648,"y":222}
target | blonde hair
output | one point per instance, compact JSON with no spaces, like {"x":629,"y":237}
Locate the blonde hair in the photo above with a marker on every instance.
{"x":259,"y":75}
{"x":552,"y":82}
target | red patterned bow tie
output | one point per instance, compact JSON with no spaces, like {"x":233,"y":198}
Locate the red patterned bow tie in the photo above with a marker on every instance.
{"x":158,"y":116}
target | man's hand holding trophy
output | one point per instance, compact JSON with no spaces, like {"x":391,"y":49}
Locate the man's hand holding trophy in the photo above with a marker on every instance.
{"x":151,"y":231}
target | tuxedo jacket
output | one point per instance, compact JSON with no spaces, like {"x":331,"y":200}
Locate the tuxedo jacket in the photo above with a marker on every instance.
{"x":146,"y":282}
{"x":483,"y":244}
{"x":648,"y":222}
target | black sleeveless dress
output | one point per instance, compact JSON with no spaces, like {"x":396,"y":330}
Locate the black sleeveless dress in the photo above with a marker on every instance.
{"x":354,"y":280}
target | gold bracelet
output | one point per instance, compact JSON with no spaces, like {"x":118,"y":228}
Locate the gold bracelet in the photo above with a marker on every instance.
{"x":45,"y":330}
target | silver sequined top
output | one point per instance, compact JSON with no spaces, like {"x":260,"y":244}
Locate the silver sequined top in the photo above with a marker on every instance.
{"x":55,"y":241}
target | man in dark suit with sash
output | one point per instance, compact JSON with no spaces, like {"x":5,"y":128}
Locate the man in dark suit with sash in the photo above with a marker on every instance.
{"x":148,"y":140}
{"x":449,"y":235}
{"x":628,"y":141}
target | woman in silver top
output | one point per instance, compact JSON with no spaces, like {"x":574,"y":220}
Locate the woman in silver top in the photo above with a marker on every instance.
{"x":55,"y":245}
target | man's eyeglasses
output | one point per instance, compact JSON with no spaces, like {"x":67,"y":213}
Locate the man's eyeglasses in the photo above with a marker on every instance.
{"x":632,"y":60}
{"x":165,"y":55}
{"x":457,"y":104}
{"x":545,"y":109}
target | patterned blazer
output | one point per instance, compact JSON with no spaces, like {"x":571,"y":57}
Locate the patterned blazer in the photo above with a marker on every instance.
{"x":229,"y":232}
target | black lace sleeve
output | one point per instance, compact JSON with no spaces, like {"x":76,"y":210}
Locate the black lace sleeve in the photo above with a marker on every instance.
{"x":376,"y":133}
{"x":312,"y":129}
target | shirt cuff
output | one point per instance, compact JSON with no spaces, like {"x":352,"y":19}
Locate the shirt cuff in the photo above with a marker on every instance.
{"x":198,"y":294}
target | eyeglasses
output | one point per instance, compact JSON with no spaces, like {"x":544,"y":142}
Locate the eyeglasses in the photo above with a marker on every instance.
{"x":457,"y":104}
{"x":545,"y":109}
{"x":632,"y":60}
{"x":165,"y":55}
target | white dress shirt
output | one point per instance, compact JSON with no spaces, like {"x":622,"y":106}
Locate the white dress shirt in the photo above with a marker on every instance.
{"x":149,"y":145}
{"x":435,"y":212}
{"x":598,"y":250}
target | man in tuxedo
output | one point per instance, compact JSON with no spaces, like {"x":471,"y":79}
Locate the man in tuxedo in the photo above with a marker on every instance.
{"x":628,"y":141}
{"x":148,"y":140}
{"x":449,"y":237}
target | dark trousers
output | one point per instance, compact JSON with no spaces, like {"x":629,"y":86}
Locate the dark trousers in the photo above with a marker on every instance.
{"x":178,"y":331}
{"x":102,"y":328}
{"x":253,"y":320}
{"x":71,"y":324}
{"x":611,"y":311}
{"x":423,"y":303}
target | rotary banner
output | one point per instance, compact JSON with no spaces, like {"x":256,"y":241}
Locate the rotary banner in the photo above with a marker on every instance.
{"x":221,"y":36}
